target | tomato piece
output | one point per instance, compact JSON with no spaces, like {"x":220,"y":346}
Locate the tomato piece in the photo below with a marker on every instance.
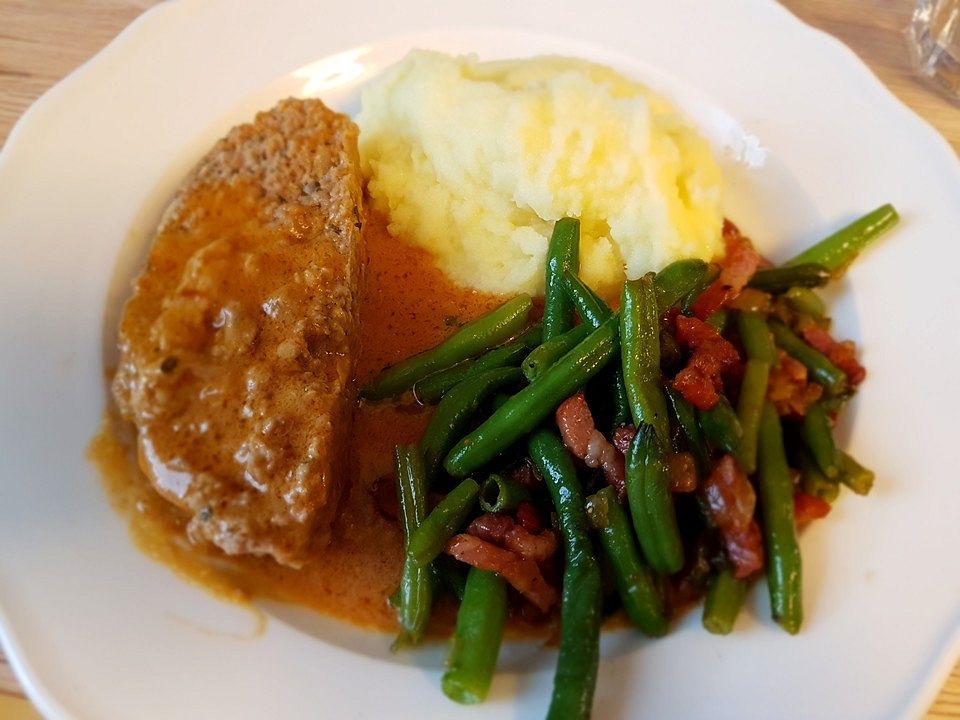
{"x":700,"y":381}
{"x":712,"y":299}
{"x":697,"y":388}
{"x":808,"y":507}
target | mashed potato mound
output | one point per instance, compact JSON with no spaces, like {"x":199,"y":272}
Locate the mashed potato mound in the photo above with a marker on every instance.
{"x":475,"y":161}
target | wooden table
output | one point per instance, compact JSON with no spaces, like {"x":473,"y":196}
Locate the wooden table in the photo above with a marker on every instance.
{"x":41,"y":42}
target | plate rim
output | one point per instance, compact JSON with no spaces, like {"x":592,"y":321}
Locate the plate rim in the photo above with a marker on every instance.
{"x":940,"y":666}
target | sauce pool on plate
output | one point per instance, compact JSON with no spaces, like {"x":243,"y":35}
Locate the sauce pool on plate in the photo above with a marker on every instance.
{"x":406,"y":306}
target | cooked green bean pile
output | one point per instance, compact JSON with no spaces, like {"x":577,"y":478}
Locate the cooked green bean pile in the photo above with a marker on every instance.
{"x":625,"y":460}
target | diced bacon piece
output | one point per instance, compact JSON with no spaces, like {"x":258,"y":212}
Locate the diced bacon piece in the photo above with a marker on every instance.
{"x":582,"y":438}
{"x":842,"y":354}
{"x":522,"y":573}
{"x":529,"y":517}
{"x":739,"y":263}
{"x":506,"y":532}
{"x":696,"y":334}
{"x":729,"y":495}
{"x":732,"y":501}
{"x":817,"y":337}
{"x":575,"y":422}
{"x":741,"y":259}
{"x":789,"y":388}
{"x":745,"y":550}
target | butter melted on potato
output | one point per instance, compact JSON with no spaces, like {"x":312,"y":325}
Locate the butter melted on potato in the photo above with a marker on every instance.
{"x":475,"y":161}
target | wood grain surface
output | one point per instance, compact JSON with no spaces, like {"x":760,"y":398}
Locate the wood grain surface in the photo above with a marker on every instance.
{"x":41,"y":41}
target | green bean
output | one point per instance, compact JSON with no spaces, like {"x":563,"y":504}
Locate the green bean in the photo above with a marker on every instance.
{"x":580,"y":612}
{"x":818,"y":437}
{"x":753,"y":393}
{"x":854,"y":475}
{"x":677,"y":280}
{"x":779,"y":531}
{"x":812,"y":480}
{"x":621,"y":402}
{"x":562,"y":254}
{"x":651,"y":504}
{"x":640,"y":355}
{"x":429,"y":390}
{"x":452,"y":415}
{"x":780,"y":279}
{"x":416,"y":583}
{"x":411,"y":487}
{"x":525,"y":410}
{"x":724,"y":599}
{"x":837,"y":251}
{"x":475,"y":644}
{"x":443,"y":522}
{"x":497,"y":494}
{"x":718,"y":320}
{"x":549,"y":351}
{"x":686,"y":418}
{"x":594,"y":311}
{"x":691,"y":297}
{"x":756,"y":337}
{"x":636,"y":588}
{"x":475,"y":337}
{"x":823,"y":371}
{"x":835,"y":403}
{"x":722,"y":427}
{"x":805,"y":301}
{"x":590,"y":306}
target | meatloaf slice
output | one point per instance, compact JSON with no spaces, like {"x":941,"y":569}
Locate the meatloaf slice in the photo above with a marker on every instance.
{"x":238,"y":344}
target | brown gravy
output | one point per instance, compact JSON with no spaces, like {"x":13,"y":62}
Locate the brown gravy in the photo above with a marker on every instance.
{"x":407,"y":305}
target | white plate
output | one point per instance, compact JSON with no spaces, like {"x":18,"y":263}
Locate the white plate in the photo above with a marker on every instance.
{"x":96,"y":630}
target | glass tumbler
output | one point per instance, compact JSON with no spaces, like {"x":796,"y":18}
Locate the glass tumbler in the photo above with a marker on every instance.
{"x":934,"y":40}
